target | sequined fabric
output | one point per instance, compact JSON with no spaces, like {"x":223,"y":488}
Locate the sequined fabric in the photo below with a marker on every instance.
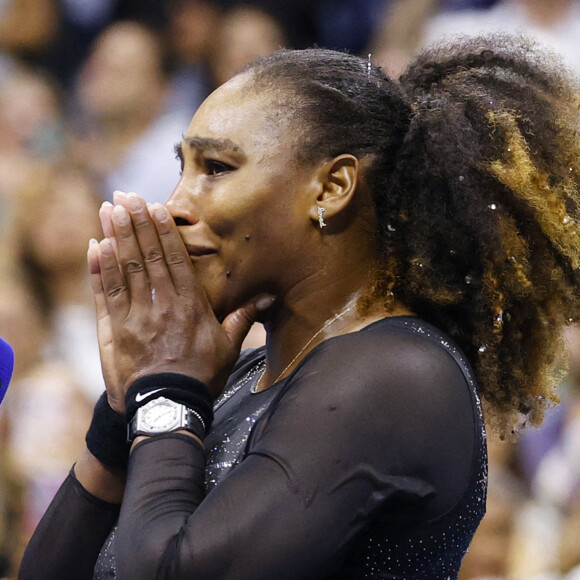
{"x":433,"y":551}
{"x":406,"y":534}
{"x":386,"y":550}
{"x":233,"y":422}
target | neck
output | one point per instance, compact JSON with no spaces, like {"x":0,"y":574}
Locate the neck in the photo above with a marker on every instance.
{"x":318,"y":308}
{"x":323,"y":298}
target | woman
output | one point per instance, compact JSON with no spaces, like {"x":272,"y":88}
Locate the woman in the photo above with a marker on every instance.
{"x":388,"y":234}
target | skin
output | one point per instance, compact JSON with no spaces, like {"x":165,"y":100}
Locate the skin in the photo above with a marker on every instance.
{"x":238,"y":239}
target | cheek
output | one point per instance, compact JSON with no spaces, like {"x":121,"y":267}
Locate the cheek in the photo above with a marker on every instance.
{"x":239,"y":216}
{"x":261,"y":255}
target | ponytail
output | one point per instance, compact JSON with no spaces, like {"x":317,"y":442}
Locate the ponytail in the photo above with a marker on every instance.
{"x":473,"y":164}
{"x":488,"y":191}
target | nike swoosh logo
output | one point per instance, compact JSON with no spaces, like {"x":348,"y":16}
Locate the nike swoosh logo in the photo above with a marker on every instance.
{"x":142,"y":396}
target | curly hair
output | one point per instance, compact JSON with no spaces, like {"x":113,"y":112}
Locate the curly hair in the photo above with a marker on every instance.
{"x":475,"y":173}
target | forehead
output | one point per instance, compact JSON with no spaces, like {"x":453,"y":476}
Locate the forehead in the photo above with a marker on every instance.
{"x":239,"y":112}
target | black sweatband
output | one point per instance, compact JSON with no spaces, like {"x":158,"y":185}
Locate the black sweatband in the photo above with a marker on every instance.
{"x":178,"y":388}
{"x":107,"y":436}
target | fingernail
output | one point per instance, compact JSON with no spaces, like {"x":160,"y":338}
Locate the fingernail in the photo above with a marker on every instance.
{"x":106,"y":204}
{"x":118,"y":195}
{"x":265,"y":302}
{"x":133,"y":201}
{"x":106,"y":246}
{"x":159,"y":212}
{"x":93,"y":242}
{"x":120,"y":215}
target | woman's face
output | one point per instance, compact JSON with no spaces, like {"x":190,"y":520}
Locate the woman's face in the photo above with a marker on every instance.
{"x":242,"y":201}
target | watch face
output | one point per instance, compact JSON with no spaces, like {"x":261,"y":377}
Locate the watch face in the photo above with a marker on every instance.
{"x":161,"y":416}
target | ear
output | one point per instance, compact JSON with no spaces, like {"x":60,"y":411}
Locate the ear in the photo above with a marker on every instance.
{"x":336,"y":185}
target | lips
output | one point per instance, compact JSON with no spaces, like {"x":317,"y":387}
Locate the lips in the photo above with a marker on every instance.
{"x":198,"y":251}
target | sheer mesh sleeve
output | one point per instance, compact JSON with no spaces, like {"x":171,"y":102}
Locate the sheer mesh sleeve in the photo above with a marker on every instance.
{"x":67,"y":541}
{"x":370,"y":423}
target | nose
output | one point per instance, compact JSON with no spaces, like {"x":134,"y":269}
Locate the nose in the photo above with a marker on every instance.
{"x":181,"y":207}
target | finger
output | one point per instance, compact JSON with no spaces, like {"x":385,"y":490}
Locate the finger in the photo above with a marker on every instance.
{"x":238,"y":323}
{"x":95,"y":278}
{"x":102,"y":311}
{"x":105,"y":215}
{"x":106,"y":218}
{"x":130,"y":258}
{"x":115,"y":291}
{"x":176,"y":256}
{"x":148,"y":242}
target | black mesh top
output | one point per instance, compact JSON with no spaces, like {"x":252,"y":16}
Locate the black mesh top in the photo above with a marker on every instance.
{"x":369,"y":461}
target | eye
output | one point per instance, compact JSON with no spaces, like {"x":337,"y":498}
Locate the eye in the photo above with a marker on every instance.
{"x":179,"y":156}
{"x":214,"y":167}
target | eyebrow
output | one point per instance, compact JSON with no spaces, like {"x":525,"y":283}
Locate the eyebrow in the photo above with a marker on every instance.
{"x":208,"y":143}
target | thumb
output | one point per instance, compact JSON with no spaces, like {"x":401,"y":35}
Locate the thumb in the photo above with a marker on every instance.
{"x":237,"y":324}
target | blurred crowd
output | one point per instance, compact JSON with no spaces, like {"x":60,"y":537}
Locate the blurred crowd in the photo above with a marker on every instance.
{"x":93,"y":96}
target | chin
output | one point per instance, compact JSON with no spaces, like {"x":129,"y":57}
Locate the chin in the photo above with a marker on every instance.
{"x":214,"y":285}
{"x":222,"y":302}
{"x":218,"y":306}
{"x":226,"y":295}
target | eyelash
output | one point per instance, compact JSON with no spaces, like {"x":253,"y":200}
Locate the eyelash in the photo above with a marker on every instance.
{"x":215,"y":167}
{"x":179,"y":157}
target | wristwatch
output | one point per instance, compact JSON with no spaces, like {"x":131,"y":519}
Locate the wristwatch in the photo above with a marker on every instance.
{"x":162,"y":415}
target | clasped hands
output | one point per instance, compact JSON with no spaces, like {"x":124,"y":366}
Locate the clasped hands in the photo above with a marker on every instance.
{"x":153,"y":316}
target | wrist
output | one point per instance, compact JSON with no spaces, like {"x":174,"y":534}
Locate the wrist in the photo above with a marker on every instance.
{"x":181,"y":394}
{"x":107,"y":436}
{"x":105,"y":483}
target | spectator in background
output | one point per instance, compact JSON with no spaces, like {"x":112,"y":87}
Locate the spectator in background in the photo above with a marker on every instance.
{"x":339,"y":24}
{"x":47,"y":313}
{"x":22,"y":325}
{"x":27,"y":30}
{"x":44,"y":408}
{"x":569,"y":546}
{"x":412,"y":24}
{"x":555,"y":24}
{"x":190,"y":34}
{"x":400,"y":34}
{"x":123,"y":131}
{"x":61,"y":204}
{"x":80,"y":22}
{"x":490,"y":554}
{"x":244,"y":34}
{"x":43,"y":402}
{"x":31,"y":132}
{"x":298,"y":19}
{"x":349,"y":24}
{"x":556,"y":483}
